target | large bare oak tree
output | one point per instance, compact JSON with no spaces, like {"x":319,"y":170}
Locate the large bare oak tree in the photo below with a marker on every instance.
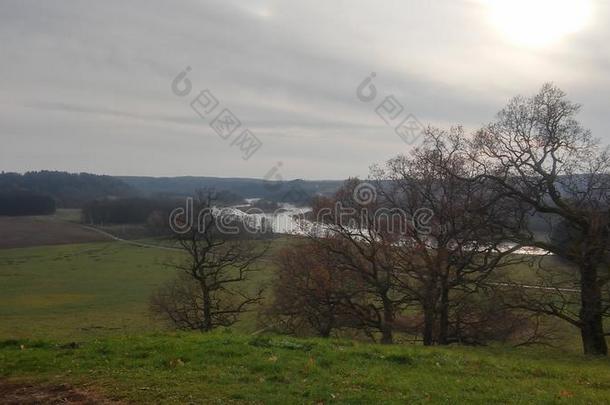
{"x":537,"y":155}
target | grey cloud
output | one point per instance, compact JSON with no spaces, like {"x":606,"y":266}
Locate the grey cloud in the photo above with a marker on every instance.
{"x":288,"y":70}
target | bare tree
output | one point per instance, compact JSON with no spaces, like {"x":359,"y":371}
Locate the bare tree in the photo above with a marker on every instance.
{"x":218,"y":260}
{"x":309,"y":292}
{"x":540,"y":158}
{"x":361,"y":244}
{"x":454,"y":245}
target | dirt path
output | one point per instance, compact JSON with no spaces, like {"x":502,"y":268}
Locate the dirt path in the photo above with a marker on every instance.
{"x":13,"y":393}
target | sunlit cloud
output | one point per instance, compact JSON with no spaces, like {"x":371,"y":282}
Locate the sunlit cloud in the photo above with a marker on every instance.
{"x":537,"y":23}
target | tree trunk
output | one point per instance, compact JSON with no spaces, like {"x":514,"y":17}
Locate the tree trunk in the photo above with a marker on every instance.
{"x":207,"y":310}
{"x":431,"y":310}
{"x":429,"y":318}
{"x":443,"y":295}
{"x":325,"y":326}
{"x":443,"y":330}
{"x":387,"y":337}
{"x":387,"y":322}
{"x":591,"y":318}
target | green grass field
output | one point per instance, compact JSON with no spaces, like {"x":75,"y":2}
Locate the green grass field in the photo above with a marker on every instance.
{"x":96,"y":295}
{"x":229,"y":368}
{"x":81,"y":290}
{"x":87,"y":290}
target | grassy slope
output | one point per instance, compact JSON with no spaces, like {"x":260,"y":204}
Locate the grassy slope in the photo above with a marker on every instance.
{"x":227,"y":367}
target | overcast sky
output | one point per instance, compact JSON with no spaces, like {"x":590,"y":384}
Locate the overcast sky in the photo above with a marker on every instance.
{"x":86,"y":85}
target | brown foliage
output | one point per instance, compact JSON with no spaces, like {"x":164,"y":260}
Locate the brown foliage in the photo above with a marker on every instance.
{"x":309,"y":292}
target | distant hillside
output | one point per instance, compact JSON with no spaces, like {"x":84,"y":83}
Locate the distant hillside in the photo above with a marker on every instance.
{"x":298,"y":191}
{"x":67,"y":189}
{"x":70,"y":190}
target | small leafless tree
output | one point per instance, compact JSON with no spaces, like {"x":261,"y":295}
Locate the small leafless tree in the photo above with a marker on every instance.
{"x":309,"y":292}
{"x":361,"y":245}
{"x":218,"y":259}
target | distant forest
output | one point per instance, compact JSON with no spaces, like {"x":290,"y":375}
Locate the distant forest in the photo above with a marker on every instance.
{"x":122,"y":200}
{"x":298,"y":192}
{"x":139,"y":210}
{"x":66,"y":189}
{"x":25,"y":203}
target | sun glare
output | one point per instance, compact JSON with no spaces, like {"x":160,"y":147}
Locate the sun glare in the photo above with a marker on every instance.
{"x":537,"y":23}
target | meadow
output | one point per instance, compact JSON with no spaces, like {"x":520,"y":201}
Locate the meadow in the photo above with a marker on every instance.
{"x":89,"y":290}
{"x":79,"y":290}
{"x":77,"y":314}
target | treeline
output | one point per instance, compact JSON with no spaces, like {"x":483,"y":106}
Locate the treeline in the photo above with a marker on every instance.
{"x":139,"y":210}
{"x":25,"y":203}
{"x":69,"y":190}
{"x":125,"y":210}
{"x":271,"y":188}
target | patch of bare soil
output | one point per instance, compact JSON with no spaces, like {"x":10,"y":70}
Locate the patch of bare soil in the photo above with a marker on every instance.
{"x":14,"y":393}
{"x":17,"y":232}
